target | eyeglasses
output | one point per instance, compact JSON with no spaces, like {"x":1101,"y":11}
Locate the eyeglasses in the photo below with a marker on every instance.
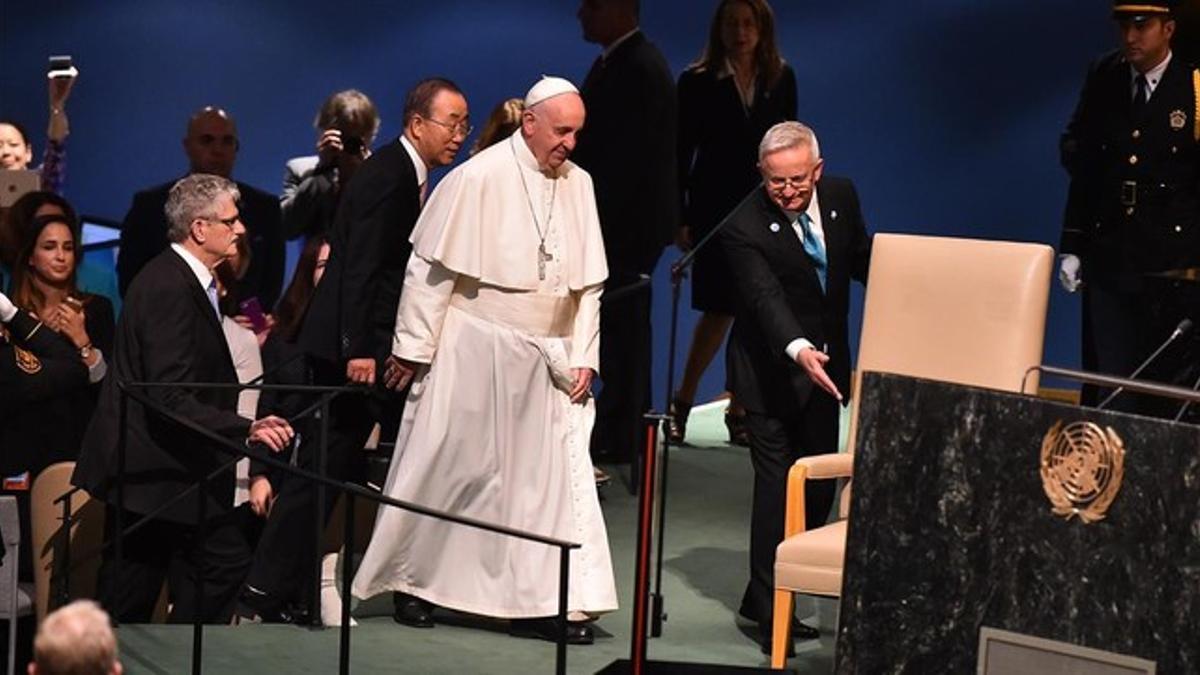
{"x":227,"y":222}
{"x":780,"y":183}
{"x":462,"y":128}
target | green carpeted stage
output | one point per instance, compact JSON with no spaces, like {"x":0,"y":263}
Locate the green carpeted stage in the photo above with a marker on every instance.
{"x":704,"y":573}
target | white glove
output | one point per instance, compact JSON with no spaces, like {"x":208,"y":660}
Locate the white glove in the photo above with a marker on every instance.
{"x":7,"y":309}
{"x":1068,"y":272}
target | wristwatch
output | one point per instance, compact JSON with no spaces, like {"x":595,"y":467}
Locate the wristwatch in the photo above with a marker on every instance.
{"x":85,"y":352}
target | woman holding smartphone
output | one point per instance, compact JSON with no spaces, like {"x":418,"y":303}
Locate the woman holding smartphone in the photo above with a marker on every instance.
{"x":44,"y":284}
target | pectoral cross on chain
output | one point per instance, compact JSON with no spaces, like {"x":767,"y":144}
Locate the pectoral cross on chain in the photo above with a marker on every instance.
{"x":543,"y":258}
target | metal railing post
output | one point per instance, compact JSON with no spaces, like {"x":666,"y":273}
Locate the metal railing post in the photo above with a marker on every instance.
{"x":347,"y":578}
{"x":63,"y":562}
{"x":201,"y":535}
{"x":564,"y":573}
{"x":314,"y":589}
{"x":119,"y":516}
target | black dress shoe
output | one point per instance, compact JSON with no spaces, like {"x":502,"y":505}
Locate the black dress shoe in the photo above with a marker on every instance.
{"x":412,"y":611}
{"x":255,"y":606}
{"x":578,"y":632}
{"x":800,"y":631}
{"x":803,"y":631}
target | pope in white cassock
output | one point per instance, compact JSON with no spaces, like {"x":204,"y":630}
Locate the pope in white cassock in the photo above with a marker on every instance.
{"x":498,"y":327}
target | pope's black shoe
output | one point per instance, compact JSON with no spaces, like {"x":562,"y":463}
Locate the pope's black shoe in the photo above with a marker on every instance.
{"x":578,"y":632}
{"x":412,"y":611}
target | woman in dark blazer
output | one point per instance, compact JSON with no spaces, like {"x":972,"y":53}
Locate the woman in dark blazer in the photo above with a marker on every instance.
{"x":44,"y":284}
{"x":739,"y":88}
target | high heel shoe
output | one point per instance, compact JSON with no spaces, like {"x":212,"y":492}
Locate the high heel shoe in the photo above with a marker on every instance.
{"x":736,"y":424}
{"x":677,"y":424}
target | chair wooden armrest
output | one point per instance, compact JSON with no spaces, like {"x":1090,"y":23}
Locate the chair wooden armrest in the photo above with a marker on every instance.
{"x":816,"y":467}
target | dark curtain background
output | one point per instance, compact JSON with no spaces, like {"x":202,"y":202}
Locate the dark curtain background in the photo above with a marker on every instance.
{"x":945,"y":112}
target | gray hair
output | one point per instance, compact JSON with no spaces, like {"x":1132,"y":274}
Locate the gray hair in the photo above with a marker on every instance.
{"x":193,"y":197}
{"x":787,"y":135}
{"x":76,"y":638}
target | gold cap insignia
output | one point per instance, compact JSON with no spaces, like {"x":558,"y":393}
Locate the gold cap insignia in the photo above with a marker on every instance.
{"x":1082,"y":467}
{"x":27,"y":361}
{"x":1178,"y":119}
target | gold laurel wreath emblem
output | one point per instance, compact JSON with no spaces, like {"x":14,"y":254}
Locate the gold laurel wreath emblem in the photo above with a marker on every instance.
{"x":1082,"y":467}
{"x":27,"y":361}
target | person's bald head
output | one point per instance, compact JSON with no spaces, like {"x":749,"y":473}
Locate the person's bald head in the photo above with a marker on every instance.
{"x":550,"y":128}
{"x":603,"y":21}
{"x":76,"y":639}
{"x":211,"y":142}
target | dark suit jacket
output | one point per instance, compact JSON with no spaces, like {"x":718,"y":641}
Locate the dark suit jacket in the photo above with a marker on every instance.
{"x":781,"y":297}
{"x":718,"y":141}
{"x":1160,"y":229}
{"x":309,"y":199}
{"x":628,"y":147}
{"x":144,"y":235}
{"x":353,"y":310}
{"x":168,"y":332}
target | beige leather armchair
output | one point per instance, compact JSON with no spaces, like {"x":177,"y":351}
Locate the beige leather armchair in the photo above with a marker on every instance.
{"x":49,"y":537}
{"x":958,"y":310}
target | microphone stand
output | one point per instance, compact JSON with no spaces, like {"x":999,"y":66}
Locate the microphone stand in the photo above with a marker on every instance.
{"x":678,"y":273}
{"x":1183,"y":327}
{"x":1183,"y":408}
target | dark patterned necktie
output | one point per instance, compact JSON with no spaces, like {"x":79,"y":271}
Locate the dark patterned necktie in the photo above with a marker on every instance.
{"x":1140,"y":89}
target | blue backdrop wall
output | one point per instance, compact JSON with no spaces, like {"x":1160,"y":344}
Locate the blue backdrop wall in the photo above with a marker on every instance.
{"x":945,"y":112}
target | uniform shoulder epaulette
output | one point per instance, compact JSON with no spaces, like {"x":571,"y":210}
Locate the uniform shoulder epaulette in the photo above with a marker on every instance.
{"x":1196,"y":99}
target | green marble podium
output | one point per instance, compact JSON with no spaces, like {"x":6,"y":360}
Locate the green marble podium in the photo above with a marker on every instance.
{"x":951,"y":530}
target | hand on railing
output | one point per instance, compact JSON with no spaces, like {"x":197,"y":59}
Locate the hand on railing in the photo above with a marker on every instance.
{"x":273,"y":432}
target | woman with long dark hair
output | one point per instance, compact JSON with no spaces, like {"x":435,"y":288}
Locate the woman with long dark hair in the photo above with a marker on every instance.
{"x":738,"y":88}
{"x":44,"y":284}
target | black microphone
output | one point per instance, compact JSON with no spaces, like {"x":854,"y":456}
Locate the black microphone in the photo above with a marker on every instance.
{"x":1183,"y":327}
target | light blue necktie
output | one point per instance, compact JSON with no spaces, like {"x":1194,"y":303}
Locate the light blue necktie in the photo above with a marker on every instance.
{"x":212,"y":296}
{"x":814,"y":248}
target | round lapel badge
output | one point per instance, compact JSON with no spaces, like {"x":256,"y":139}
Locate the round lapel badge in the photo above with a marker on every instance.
{"x":774,"y":227}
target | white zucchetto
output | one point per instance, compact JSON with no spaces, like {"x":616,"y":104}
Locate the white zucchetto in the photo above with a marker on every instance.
{"x":548,"y":87}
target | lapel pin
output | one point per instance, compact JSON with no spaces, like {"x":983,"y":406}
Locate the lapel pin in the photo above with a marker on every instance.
{"x":774,"y":227}
{"x":833,"y":215}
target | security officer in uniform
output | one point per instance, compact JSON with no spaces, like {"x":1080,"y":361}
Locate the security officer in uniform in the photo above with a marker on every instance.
{"x":1131,"y":233}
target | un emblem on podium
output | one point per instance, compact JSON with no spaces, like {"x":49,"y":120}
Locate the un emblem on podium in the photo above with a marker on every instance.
{"x":1082,"y":467}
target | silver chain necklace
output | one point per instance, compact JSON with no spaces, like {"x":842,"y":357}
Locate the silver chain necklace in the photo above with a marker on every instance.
{"x":543,"y":256}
